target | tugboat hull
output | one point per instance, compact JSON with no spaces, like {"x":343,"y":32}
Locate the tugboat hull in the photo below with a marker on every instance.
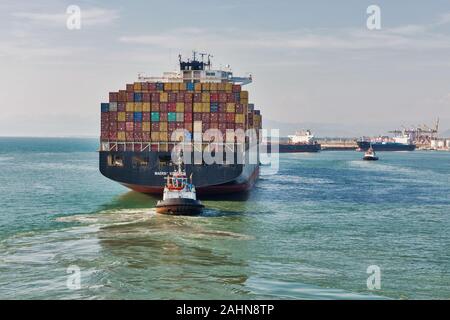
{"x":179,"y":206}
{"x":370,"y":158}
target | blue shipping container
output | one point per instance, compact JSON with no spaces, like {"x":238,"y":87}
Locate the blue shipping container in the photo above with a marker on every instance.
{"x":138,"y":116}
{"x":137,"y":97}
{"x":190,"y":86}
{"x":104,"y":106}
{"x":159,"y":86}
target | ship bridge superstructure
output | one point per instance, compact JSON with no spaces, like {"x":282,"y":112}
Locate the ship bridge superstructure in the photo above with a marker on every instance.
{"x":194,"y":70}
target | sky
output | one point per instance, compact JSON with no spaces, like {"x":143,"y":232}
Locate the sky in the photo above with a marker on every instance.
{"x":313,"y":63}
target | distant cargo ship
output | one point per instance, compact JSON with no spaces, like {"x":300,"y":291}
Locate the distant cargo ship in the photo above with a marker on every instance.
{"x":137,"y":123}
{"x":398,"y":143}
{"x":302,"y":141}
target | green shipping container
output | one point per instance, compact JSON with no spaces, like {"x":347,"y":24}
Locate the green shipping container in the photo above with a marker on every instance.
{"x":155,"y":116}
{"x":172,"y":116}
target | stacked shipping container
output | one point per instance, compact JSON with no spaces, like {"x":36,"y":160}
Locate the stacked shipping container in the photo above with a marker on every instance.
{"x":149,"y":112}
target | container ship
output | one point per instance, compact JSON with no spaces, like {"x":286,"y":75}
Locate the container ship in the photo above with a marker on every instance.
{"x":302,"y":141}
{"x":398,"y":143}
{"x":137,"y":124}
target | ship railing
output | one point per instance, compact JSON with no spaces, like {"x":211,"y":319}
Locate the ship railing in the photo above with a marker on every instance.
{"x":164,"y":146}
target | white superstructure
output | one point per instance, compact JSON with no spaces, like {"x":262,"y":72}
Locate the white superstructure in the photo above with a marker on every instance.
{"x":304,"y":136}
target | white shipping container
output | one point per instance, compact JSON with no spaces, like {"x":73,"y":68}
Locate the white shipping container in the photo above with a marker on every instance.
{"x":113,"y":106}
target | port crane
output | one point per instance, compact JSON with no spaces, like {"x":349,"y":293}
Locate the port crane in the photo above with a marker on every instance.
{"x":420,"y":134}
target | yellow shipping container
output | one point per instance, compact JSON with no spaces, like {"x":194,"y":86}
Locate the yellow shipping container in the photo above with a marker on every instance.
{"x":164,"y":96}
{"x":197,"y":107}
{"x":175,"y":86}
{"x":244,"y":100}
{"x":129,"y":107}
{"x":146,"y":107}
{"x":213,"y":87}
{"x":163,"y":126}
{"x":121,"y":136}
{"x":228,"y":87}
{"x":167,"y":86}
{"x":138,"y":106}
{"x":198,"y":87}
{"x":221,"y":86}
{"x":155,"y":136}
{"x":121,"y":116}
{"x":163,"y":136}
{"x":205,"y":87}
{"x":244,"y":94}
{"x":182,"y":86}
{"x":239,"y":118}
{"x":163,"y":147}
{"x":206,"y":97}
{"x":146,"y":126}
{"x":231,"y":107}
{"x":180,"y":107}
{"x":206,"y":107}
{"x":137,"y":86}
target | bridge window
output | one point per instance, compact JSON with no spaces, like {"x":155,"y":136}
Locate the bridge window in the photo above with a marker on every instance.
{"x":115,"y":160}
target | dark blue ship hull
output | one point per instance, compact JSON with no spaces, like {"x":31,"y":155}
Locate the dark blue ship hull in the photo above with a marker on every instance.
{"x":385,"y":146}
{"x":295,"y":148}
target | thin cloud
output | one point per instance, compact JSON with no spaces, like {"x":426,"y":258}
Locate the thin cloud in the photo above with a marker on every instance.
{"x":89,"y":17}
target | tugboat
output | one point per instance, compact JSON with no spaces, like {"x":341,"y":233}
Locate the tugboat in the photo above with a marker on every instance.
{"x":369,"y":155}
{"x":179,"y":196}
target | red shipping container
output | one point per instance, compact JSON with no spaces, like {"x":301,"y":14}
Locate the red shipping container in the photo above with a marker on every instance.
{"x":122,"y":96}
{"x":121,"y":126}
{"x":155,"y":126}
{"x":129,"y":116}
{"x":146,"y":136}
{"x":188,"y":97}
{"x":188,"y":116}
{"x":146,"y":97}
{"x":130,"y":96}
{"x":138,"y":136}
{"x":223,"y":97}
{"x":230,"y":117}
{"x":137,"y":126}
{"x":239,"y":126}
{"x":163,"y":116}
{"x":104,"y":117}
{"x":163,"y":107}
{"x":112,"y":116}
{"x":129,"y":146}
{"x":236,"y":88}
{"x":205,"y":117}
{"x":137,"y":146}
{"x":121,"y":147}
{"x":172,"y":97}
{"x":197,"y":97}
{"x":197,"y":116}
{"x":121,"y":106}
{"x":214,"y":97}
{"x":222,"y":107}
{"x":180,"y":125}
{"x":113,"y":135}
{"x":239,"y":108}
{"x":188,"y":126}
{"x":129,"y":136}
{"x":230,"y":125}
{"x":130,"y":87}
{"x":112,"y":125}
{"x":214,"y":117}
{"x":172,"y":107}
{"x":180,"y":97}
{"x":113,"y":96}
{"x":155,"y":106}
{"x":144,"y":86}
{"x":188,"y":107}
{"x":230,"y":97}
{"x":222,"y":117}
{"x":129,"y":126}
{"x":155,"y":97}
{"x":214,"y":125}
{"x":154,"y":147}
{"x":104,"y":134}
{"x":172,"y":126}
{"x":151,"y":86}
{"x":145,"y":116}
{"x":205,"y":126}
